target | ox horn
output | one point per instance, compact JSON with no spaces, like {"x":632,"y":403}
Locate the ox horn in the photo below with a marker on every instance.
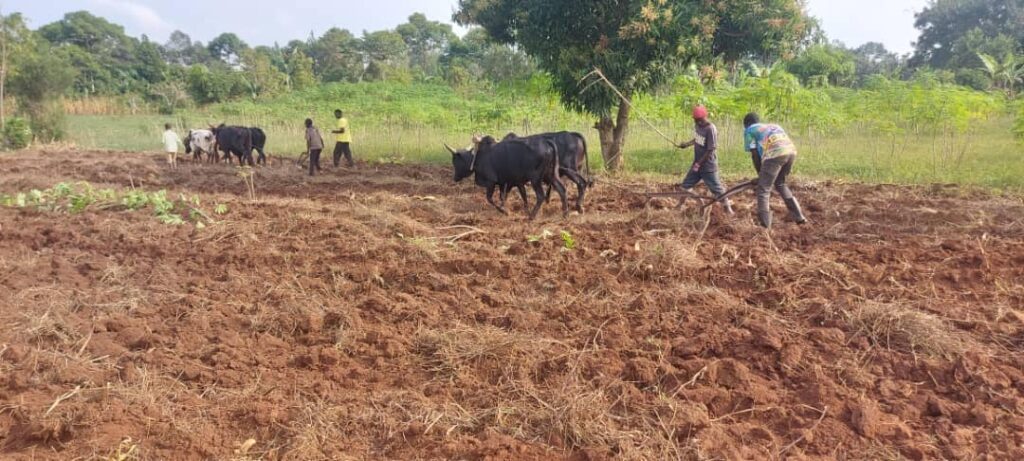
{"x":446,"y":146}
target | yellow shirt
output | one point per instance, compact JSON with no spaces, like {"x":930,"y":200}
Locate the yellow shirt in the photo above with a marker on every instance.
{"x":347,"y":135}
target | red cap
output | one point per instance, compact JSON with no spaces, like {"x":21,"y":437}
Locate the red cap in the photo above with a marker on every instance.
{"x":700,"y":112}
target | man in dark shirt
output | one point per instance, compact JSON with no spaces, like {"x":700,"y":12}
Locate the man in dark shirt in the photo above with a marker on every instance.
{"x":314,"y":146}
{"x":705,"y":157}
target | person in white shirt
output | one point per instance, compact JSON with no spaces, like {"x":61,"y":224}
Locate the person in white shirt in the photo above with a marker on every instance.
{"x":171,"y":142}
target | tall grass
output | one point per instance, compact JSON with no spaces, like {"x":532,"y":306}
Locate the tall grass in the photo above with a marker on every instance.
{"x":896,"y":132}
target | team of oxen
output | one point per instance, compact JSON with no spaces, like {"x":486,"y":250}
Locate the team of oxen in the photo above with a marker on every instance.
{"x":239,"y":141}
{"x":516,"y":162}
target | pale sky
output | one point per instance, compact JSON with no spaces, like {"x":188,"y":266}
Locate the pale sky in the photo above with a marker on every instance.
{"x":262,"y":22}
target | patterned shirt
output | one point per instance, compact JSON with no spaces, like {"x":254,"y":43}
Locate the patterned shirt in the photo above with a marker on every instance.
{"x":770,"y":141}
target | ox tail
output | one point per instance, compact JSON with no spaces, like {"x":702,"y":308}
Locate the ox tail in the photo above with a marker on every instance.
{"x":259,"y":138}
{"x":556,"y":168}
{"x":586,"y":160}
{"x":188,"y":142}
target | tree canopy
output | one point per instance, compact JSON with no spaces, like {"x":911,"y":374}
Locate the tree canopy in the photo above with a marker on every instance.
{"x":946,"y":24}
{"x":638,"y":44}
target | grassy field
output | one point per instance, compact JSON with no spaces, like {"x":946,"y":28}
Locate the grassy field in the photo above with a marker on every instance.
{"x":410,"y":124}
{"x":989,"y":156}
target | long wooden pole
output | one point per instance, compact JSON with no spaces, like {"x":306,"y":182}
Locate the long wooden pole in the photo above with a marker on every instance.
{"x":602,"y":78}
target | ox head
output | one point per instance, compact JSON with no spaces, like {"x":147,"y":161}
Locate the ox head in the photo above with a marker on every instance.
{"x":464,"y":162}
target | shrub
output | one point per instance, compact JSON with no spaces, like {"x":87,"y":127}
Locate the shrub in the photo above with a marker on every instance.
{"x":17,"y":133}
{"x":47,"y":122}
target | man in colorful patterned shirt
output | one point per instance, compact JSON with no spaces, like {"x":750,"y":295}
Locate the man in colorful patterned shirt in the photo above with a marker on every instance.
{"x":773,"y":153}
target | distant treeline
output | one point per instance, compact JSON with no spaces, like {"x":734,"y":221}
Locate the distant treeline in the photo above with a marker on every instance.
{"x":83,"y":57}
{"x":109,"y":62}
{"x":182,"y":70}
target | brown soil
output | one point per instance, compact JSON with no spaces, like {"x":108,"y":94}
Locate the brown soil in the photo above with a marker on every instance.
{"x":338,"y":319}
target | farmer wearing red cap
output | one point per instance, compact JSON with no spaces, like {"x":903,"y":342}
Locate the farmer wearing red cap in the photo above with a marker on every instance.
{"x":705,"y":156}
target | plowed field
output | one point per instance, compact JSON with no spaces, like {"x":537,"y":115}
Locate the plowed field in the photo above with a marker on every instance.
{"x":387,"y":313}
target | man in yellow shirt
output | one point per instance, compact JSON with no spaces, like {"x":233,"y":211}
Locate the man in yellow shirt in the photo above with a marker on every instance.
{"x":343,"y":138}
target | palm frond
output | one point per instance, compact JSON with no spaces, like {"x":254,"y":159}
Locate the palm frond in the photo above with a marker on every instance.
{"x":991,"y":64}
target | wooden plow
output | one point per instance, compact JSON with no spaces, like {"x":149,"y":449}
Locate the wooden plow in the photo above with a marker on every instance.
{"x":706,"y":201}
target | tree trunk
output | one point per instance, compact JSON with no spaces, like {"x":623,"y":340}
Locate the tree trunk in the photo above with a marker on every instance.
{"x":3,"y":106}
{"x":3,"y":81}
{"x":613,"y":138}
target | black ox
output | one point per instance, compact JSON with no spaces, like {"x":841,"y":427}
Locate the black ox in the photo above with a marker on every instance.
{"x":572,"y":158}
{"x":512,"y":163}
{"x":241,"y":141}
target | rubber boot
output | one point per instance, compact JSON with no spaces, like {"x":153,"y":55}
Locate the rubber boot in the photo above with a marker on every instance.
{"x":764,"y":217}
{"x":795,"y":213}
{"x":764,"y":212}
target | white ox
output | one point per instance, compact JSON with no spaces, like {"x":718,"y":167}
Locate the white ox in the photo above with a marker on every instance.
{"x":201,"y":142}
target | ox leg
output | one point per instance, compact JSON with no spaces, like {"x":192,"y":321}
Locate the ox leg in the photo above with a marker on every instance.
{"x":522,"y":194}
{"x":490,"y":199}
{"x":581,"y":188}
{"x":503,"y":195}
{"x":538,"y":188}
{"x":560,"y":188}
{"x":263,"y":157}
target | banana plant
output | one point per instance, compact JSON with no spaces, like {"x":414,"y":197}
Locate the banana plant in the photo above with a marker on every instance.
{"x":1005,"y":73}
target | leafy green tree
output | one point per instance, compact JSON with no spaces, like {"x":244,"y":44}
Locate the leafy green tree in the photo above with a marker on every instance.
{"x":263,"y":77}
{"x":965,"y":61}
{"x":15,"y":38}
{"x":93,"y":74}
{"x":171,"y":93}
{"x":300,"y":70}
{"x":87,"y":31}
{"x":149,"y":62}
{"x":426,"y":40}
{"x":181,"y":50}
{"x":945,"y":22}
{"x":822,"y":65}
{"x":42,"y":77}
{"x":227,"y":47}
{"x":873,"y":58}
{"x":638,"y":44}
{"x":215,"y":84}
{"x":767,"y":30}
{"x":966,"y":48}
{"x":385,"y":55}
{"x":475,"y":56}
{"x":103,"y":56}
{"x":337,"y":56}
